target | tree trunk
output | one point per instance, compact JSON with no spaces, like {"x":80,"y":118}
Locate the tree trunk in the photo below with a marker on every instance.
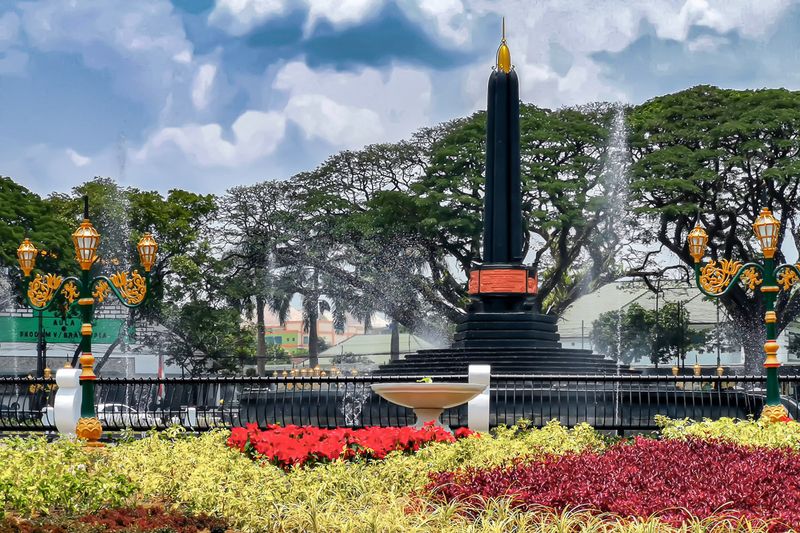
{"x":394,"y":348}
{"x":75,"y":357}
{"x":751,"y":334}
{"x":313,"y":316}
{"x":261,"y":349}
{"x":313,"y":337}
{"x":103,"y":360}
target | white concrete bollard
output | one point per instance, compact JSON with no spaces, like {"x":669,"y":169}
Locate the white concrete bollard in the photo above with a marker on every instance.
{"x":190,"y":419}
{"x":67,"y":406}
{"x":478,"y":407}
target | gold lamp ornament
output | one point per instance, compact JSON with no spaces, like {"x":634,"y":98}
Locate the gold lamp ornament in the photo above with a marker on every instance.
{"x":697,"y":239}
{"x":86,"y":240}
{"x":147,"y":251}
{"x":766,"y":229}
{"x":26,"y":256}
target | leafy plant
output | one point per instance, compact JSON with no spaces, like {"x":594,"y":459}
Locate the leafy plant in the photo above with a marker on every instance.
{"x":676,"y":480}
{"x":296,"y":446}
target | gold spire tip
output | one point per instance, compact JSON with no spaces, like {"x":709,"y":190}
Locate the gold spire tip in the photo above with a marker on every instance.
{"x":503,"y":53}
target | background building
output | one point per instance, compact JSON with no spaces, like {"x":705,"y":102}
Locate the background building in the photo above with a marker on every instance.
{"x":19,"y":332}
{"x":292,"y":334}
{"x":575,"y":325}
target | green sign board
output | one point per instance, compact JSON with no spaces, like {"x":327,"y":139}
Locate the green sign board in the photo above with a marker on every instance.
{"x":26,"y":329}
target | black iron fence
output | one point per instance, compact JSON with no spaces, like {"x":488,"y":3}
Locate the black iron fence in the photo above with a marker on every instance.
{"x":26,"y":404}
{"x":606,"y":402}
{"x":631,"y":402}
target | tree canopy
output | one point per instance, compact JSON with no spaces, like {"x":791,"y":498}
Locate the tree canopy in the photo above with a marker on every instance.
{"x":719,"y":155}
{"x":608,"y":191}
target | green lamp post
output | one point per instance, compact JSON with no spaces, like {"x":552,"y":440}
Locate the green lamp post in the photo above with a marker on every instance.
{"x":131,"y":288}
{"x":716,"y":279}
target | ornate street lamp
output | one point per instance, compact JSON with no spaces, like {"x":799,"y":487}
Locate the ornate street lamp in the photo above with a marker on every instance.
{"x":131,"y":288}
{"x":26,"y":255}
{"x":715,"y":279}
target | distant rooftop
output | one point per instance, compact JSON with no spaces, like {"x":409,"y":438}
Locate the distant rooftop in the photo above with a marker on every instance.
{"x":378,"y":344}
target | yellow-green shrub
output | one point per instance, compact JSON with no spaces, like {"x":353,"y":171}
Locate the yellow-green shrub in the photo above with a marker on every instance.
{"x":199,"y":472}
{"x":37,"y":477}
{"x":205,"y":475}
{"x":747,"y":432}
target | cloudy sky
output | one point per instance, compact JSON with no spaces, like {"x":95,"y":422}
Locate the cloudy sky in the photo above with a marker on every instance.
{"x":207,"y":94}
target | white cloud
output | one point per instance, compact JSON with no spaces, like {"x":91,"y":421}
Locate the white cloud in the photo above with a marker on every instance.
{"x":203,"y":84}
{"x":751,"y":19}
{"x":349,"y":109}
{"x":9,"y":29}
{"x":184,"y":57}
{"x":450,"y":17}
{"x":143,"y":49}
{"x":142,"y":44}
{"x":12,"y":61}
{"x":706,"y":43}
{"x":340,"y":13}
{"x":338,"y":124}
{"x":238,"y":17}
{"x":586,"y":27}
{"x":77,"y":159}
{"x":256,"y":134}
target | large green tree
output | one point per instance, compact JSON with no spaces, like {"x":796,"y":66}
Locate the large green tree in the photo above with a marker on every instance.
{"x":396,"y":227}
{"x":720,"y":155}
{"x":568,"y":200}
{"x":23,"y":213}
{"x":191,"y":291}
{"x":637,"y":333}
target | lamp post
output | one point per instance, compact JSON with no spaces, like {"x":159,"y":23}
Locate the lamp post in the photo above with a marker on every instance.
{"x":130,"y":288}
{"x":715,"y":279}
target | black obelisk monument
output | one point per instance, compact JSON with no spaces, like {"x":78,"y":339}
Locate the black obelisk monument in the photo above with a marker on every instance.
{"x":502,"y":221}
{"x":501,"y":288}
{"x":502,"y":327}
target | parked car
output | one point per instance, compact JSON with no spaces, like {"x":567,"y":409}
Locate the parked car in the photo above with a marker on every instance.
{"x":113,"y":415}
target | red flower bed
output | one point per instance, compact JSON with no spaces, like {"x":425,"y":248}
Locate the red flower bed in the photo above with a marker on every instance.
{"x":672,"y":478}
{"x":296,"y":445}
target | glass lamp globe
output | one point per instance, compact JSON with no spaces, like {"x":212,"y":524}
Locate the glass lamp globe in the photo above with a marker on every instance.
{"x":766,"y":229}
{"x":697,"y":239}
{"x":147,"y":251}
{"x":26,"y":256}
{"x":86,"y":240}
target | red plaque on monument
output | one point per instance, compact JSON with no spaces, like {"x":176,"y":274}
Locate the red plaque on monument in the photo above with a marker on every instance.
{"x":503,"y":280}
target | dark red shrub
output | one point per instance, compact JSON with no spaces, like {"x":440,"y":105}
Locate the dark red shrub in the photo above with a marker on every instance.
{"x":148,"y":518}
{"x":671,"y":478}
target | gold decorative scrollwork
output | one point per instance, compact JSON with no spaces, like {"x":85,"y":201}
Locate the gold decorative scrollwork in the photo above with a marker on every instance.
{"x":714,"y":279}
{"x":133,"y":289}
{"x":42,"y":289}
{"x":101,"y":290}
{"x":751,"y":279}
{"x":70,"y":292}
{"x":787,"y":278}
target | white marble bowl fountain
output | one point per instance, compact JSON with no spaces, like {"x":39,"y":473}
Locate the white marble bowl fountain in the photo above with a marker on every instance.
{"x":428,"y":400}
